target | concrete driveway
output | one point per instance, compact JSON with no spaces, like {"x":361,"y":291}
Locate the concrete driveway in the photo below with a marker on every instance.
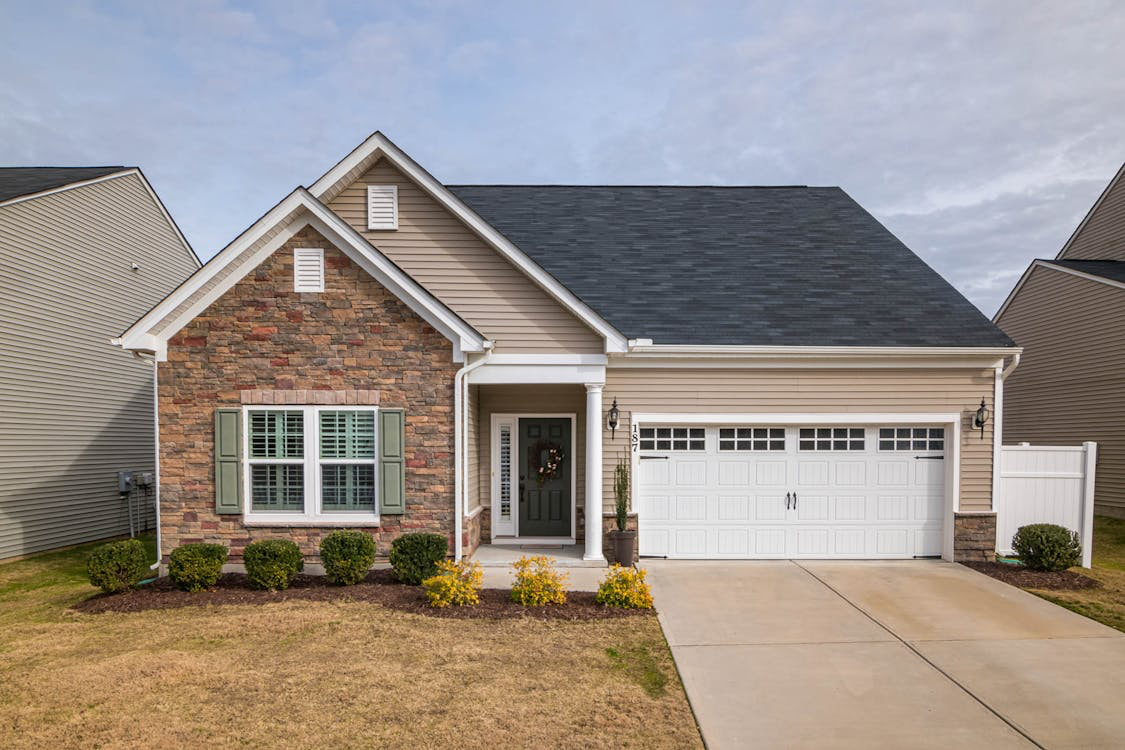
{"x":885,"y":655}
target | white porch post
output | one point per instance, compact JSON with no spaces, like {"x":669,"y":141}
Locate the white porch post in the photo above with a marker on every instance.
{"x":593,"y":509}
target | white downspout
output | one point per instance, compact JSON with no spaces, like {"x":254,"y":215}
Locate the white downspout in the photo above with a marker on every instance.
{"x":1001,"y":375}
{"x":1009,"y":368}
{"x":460,"y":446}
{"x":156,"y":462}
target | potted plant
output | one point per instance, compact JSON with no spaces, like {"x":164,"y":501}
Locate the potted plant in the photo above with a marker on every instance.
{"x":624,"y":539}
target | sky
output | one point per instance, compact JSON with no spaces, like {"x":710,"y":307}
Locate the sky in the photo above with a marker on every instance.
{"x":979,"y":133}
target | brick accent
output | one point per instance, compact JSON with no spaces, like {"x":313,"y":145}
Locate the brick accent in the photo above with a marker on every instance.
{"x":471,"y":533}
{"x":974,"y":537}
{"x":261,"y":340}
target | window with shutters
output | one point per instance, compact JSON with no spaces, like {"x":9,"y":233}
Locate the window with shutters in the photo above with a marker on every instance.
{"x":311,"y":463}
{"x":308,"y":269}
{"x":382,"y":207}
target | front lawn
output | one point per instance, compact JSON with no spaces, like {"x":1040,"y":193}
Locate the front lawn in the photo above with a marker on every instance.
{"x":1106,"y":604}
{"x":303,"y":674}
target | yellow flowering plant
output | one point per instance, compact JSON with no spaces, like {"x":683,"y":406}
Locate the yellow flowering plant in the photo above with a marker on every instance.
{"x":457,"y":584}
{"x":538,"y":582}
{"x":625,"y":587}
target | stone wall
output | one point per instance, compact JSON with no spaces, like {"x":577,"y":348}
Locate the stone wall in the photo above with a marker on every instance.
{"x":261,"y":336}
{"x":974,"y":537}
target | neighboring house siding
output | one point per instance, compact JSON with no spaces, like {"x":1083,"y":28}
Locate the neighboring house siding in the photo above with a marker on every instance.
{"x":1102,"y":235}
{"x":1070,"y":384}
{"x":73,"y":408}
{"x":260,"y":334}
{"x":464,"y":272}
{"x":733,"y":391}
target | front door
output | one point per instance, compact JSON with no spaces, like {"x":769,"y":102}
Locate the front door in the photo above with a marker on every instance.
{"x":545,"y":474}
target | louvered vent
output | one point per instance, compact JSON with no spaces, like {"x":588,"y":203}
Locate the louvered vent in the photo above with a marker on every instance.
{"x":382,"y":207}
{"x":308,"y":269}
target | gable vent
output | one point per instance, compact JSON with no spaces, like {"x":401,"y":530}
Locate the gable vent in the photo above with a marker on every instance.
{"x":382,"y":207}
{"x":308,"y":269}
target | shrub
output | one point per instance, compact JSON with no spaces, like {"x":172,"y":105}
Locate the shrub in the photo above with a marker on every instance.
{"x":414,"y":557}
{"x":537,"y":582}
{"x":194,"y":567}
{"x":272,"y":563}
{"x":625,"y":587}
{"x":347,"y":556}
{"x":456,"y":584}
{"x":117,"y":566}
{"x":1047,"y":546}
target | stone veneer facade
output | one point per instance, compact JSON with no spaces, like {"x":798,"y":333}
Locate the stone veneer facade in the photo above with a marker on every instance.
{"x":353,"y":339}
{"x":974,"y":537}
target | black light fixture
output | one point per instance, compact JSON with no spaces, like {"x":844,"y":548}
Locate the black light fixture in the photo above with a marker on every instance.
{"x":613,"y":419}
{"x":980,"y":418}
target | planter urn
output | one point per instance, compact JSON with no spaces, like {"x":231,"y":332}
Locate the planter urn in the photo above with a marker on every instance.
{"x":624,"y":544}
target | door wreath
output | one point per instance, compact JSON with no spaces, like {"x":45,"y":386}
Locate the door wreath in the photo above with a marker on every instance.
{"x":545,"y":459}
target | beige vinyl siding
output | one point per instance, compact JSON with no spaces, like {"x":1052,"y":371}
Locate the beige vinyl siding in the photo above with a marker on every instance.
{"x":1102,"y":235}
{"x":473,"y":470}
{"x":73,"y":408}
{"x":465,"y":273}
{"x":531,"y":399}
{"x":732,"y":391}
{"x":1070,"y":384}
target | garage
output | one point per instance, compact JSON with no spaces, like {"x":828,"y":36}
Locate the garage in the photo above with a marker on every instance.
{"x":832,"y":490}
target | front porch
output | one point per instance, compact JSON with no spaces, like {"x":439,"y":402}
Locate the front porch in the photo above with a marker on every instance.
{"x":562,"y":555}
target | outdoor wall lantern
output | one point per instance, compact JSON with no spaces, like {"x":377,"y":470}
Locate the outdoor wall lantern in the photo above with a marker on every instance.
{"x":980,"y":418}
{"x":613,"y":419}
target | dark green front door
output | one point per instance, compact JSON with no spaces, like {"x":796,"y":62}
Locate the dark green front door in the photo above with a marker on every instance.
{"x":545,"y":472}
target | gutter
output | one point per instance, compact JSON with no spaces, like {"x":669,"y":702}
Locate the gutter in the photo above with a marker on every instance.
{"x":461,"y":446}
{"x":1008,"y":370}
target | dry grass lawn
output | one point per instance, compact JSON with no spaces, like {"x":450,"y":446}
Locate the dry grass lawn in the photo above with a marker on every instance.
{"x":1105,"y":604}
{"x":316,"y":674}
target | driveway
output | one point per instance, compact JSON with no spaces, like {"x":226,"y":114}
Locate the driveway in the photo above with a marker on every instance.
{"x":802,"y":654}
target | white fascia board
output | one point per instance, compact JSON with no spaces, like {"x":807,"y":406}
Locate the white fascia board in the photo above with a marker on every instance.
{"x":811,"y":356}
{"x":1062,"y":269}
{"x":549,"y":359}
{"x":819,"y":418}
{"x":69,"y":186}
{"x":493,"y":374}
{"x":1093,"y":209}
{"x":379,"y":144}
{"x":138,"y":337}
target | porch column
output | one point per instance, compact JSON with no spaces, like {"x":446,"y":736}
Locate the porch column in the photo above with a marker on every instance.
{"x":593,"y":509}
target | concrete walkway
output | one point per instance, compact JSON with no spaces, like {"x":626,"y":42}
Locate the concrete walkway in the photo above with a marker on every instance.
{"x":885,"y":655}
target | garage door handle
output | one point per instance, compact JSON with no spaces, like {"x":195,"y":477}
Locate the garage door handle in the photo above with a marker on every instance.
{"x":787,"y":500}
{"x":794,"y":501}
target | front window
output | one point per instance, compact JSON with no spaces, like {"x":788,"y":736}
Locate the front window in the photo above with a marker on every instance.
{"x":311,"y":463}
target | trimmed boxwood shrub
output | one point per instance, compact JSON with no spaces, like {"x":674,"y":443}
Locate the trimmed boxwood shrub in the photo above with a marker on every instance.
{"x":272,"y":563}
{"x":414,"y":557}
{"x":195,"y":567}
{"x":347,"y":556}
{"x":1047,"y":546}
{"x":117,"y":566}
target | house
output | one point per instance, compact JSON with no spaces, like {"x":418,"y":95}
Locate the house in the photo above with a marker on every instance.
{"x":1069,"y":314}
{"x":84,"y":251}
{"x":384,"y":351}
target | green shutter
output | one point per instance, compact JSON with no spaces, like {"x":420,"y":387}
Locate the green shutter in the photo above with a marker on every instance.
{"x":228,"y":461}
{"x":392,"y":462}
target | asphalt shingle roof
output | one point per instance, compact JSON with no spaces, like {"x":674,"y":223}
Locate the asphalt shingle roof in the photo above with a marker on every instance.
{"x":17,"y":181}
{"x":1113,"y":270}
{"x":796,"y":266}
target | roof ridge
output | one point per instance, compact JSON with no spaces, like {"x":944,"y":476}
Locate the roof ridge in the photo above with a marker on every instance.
{"x":637,"y":185}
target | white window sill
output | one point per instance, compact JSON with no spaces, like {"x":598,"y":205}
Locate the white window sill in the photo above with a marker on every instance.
{"x":336,"y":519}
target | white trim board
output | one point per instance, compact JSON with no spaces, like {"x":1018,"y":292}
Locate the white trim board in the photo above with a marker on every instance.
{"x":300,"y":209}
{"x":952,"y":448}
{"x":494,"y":484}
{"x":1050,"y":265}
{"x":1093,"y":209}
{"x":378,"y":146}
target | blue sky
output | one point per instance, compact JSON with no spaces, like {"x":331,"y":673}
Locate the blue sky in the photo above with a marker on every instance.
{"x":980,"y":133}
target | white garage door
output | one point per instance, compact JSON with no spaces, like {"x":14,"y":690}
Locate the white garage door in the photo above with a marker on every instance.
{"x":746,"y":491}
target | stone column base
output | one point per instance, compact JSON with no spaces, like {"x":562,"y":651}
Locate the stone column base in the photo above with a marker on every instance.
{"x":974,"y":537}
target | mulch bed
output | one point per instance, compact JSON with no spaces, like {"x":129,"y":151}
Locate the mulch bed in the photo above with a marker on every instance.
{"x":379,"y":587}
{"x":1024,"y":578}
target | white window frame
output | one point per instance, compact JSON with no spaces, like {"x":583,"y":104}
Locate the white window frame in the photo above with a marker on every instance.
{"x":393,"y":189}
{"x":768,"y":439}
{"x":314,"y":252}
{"x":832,"y":439}
{"x":672,"y":438}
{"x":313,"y":514}
{"x":895,"y":440}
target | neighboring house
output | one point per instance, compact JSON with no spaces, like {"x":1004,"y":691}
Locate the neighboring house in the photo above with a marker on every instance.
{"x":1069,"y":315}
{"x":83,"y":252}
{"x":384,"y":351}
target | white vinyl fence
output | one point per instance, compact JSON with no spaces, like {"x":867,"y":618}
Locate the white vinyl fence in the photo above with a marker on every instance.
{"x":1040,"y":484}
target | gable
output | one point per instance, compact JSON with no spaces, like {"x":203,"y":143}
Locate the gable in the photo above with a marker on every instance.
{"x":1101,"y":235}
{"x":472,"y":278}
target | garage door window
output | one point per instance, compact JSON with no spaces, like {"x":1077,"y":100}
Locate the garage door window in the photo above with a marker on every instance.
{"x":911,"y":438}
{"x":831,"y":439}
{"x":672,"y":439}
{"x":752,"y":438}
